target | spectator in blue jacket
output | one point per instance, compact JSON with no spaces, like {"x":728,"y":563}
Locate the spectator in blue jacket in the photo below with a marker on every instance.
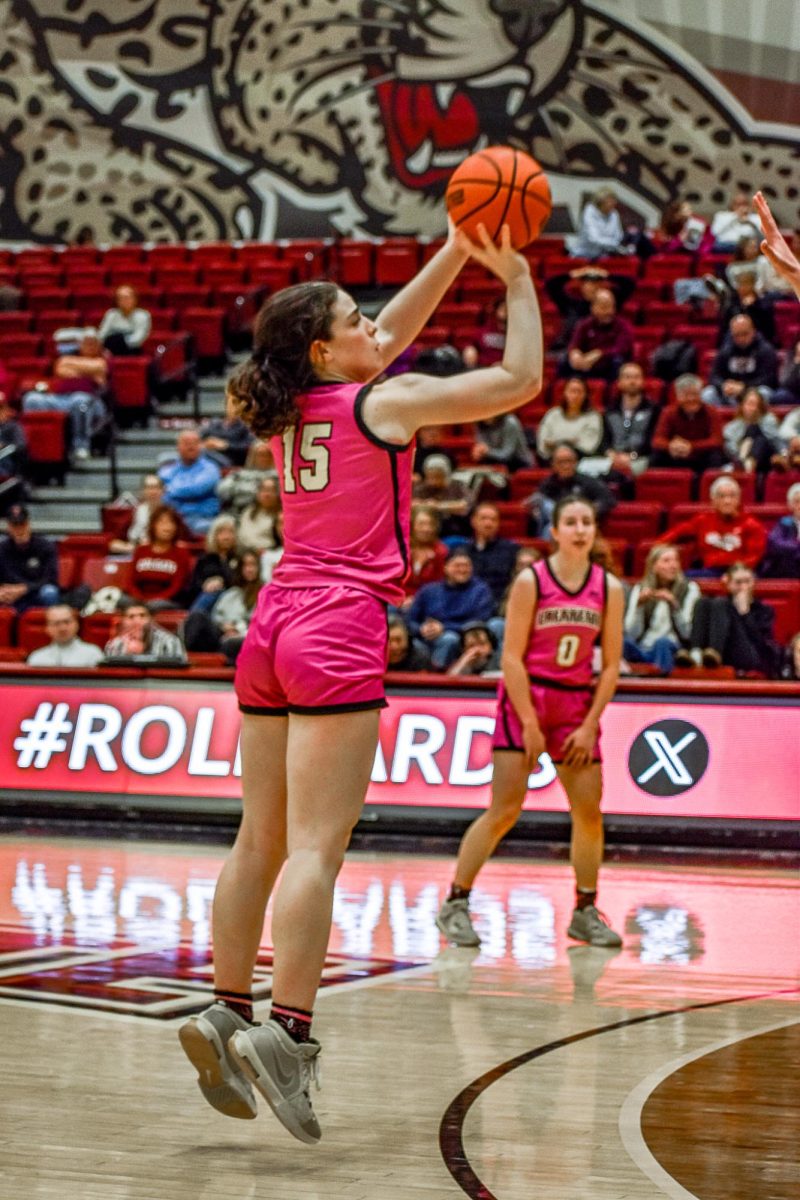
{"x":440,"y":611}
{"x":190,"y":483}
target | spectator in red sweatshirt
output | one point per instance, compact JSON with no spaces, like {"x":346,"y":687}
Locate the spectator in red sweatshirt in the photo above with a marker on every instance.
{"x":688,"y":432}
{"x":161,"y":566}
{"x":723,"y":535}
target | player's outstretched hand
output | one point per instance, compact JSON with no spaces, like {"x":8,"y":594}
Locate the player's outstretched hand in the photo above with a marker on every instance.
{"x":775,"y":246}
{"x":503,"y":260}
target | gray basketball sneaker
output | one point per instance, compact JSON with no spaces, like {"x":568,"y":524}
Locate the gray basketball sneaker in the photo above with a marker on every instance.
{"x":455,"y":923}
{"x":205,"y":1039}
{"x":282,"y":1070}
{"x":589,"y":925}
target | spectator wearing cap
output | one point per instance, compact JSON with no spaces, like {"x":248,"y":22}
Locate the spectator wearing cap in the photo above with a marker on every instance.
{"x":480,"y":655}
{"x":65,"y":648}
{"x":28,"y":564}
{"x":190,"y":482}
{"x":139,"y":634}
{"x":440,"y":611}
{"x":573,"y":293}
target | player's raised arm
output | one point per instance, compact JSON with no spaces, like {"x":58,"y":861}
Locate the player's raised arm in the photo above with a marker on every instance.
{"x":395,"y":410}
{"x":399,"y":322}
{"x":775,"y":247}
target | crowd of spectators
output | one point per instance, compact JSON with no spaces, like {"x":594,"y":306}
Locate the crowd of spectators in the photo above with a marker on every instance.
{"x":206,"y":528}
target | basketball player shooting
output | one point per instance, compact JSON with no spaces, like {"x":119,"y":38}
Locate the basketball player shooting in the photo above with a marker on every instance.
{"x":310,"y":676}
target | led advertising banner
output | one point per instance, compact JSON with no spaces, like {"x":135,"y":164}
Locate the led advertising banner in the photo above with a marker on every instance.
{"x":674,"y":756}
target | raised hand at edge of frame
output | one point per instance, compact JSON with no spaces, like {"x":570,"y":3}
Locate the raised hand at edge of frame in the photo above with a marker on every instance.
{"x":775,"y":247}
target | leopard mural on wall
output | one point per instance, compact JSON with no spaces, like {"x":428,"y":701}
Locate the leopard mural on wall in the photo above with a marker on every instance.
{"x":154,"y":120}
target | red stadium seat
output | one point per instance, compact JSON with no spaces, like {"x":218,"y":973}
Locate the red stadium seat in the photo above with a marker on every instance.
{"x":272,"y":277}
{"x":665,"y":485}
{"x":47,"y":299}
{"x":106,"y":572}
{"x":14,"y":322}
{"x":99,"y":628}
{"x":524,"y":482}
{"x":7,"y":618}
{"x":513,"y":519}
{"x":31,"y":629}
{"x":746,"y":481}
{"x":47,"y":444}
{"x":634,"y":521}
{"x":395,"y":264}
{"x":83,"y":279}
{"x":20,"y":345}
{"x":126,"y":254}
{"x":207,"y":327}
{"x":354,"y":263}
{"x":777,"y":484}
{"x":167,"y":255}
{"x":171,"y":619}
{"x":130,"y":384}
{"x":669,"y":267}
{"x":116,"y":519}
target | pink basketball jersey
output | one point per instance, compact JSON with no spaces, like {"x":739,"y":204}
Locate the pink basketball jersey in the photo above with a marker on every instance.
{"x":346,"y":497}
{"x":565,"y":628}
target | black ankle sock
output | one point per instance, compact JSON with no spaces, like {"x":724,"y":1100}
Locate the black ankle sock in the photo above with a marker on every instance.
{"x":296,"y":1021}
{"x":239,"y":1002}
{"x":584,"y":898}
{"x":459,"y":893}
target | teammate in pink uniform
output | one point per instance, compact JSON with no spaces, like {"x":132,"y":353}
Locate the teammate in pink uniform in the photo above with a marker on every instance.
{"x":558,"y":609}
{"x":310,"y":674}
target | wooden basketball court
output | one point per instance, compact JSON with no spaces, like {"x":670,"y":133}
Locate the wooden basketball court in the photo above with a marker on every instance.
{"x":534,"y":1068}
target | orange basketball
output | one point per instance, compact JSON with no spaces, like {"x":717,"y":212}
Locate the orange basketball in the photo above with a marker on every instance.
{"x":500,"y":186}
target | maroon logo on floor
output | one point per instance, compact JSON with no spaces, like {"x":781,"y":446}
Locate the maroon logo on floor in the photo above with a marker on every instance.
{"x":157,"y":982}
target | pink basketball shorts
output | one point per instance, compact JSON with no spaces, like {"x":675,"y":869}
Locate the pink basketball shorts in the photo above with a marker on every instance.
{"x":313,"y":650}
{"x":559,"y":711}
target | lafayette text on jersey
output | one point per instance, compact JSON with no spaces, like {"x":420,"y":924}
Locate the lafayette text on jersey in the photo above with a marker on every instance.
{"x":565,"y":628}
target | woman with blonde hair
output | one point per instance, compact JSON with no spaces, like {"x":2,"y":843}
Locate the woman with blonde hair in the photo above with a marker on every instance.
{"x":658,"y":617}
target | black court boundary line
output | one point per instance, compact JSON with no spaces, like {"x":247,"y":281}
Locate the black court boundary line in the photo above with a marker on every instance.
{"x":451,"y":1141}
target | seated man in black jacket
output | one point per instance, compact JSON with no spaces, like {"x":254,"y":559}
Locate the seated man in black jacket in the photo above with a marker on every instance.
{"x":28,"y":564}
{"x":565,"y":480}
{"x":744,"y":360}
{"x":736,"y":630}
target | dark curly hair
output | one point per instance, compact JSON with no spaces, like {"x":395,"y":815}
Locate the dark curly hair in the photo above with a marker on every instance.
{"x":263,"y":389}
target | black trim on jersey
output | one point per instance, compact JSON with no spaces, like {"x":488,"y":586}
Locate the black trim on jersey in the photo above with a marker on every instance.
{"x":558,"y":582}
{"x":257,"y":711}
{"x":558,"y":686}
{"x":392,"y":450}
{"x":398,"y":528}
{"x":559,"y":762}
{"x":321,"y":709}
{"x":358,"y":413}
{"x":506,"y":728}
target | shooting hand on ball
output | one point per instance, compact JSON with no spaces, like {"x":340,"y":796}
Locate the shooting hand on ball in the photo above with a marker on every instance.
{"x":503,"y":260}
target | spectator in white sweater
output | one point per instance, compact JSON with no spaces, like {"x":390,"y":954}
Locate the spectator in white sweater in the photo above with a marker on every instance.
{"x":601,"y":231}
{"x":256,"y":525}
{"x":730,"y":225}
{"x":573,"y":421}
{"x":658,"y":618}
{"x":65,"y":648}
{"x":125,"y":329}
